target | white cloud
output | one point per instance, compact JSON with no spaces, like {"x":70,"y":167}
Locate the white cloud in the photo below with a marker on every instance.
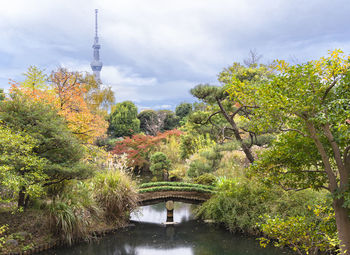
{"x":155,"y":51}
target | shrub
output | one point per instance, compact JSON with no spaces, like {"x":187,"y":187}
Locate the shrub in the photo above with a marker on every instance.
{"x":198,"y":167}
{"x":239,"y":203}
{"x":206,"y":179}
{"x":159,"y":163}
{"x":305,"y":235}
{"x":207,"y":162}
{"x":191,"y":144}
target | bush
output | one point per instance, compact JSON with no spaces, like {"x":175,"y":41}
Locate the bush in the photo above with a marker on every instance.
{"x":159,"y":163}
{"x":206,"y":179}
{"x":198,"y":167}
{"x":305,"y":235}
{"x":239,"y":204}
{"x":207,"y":162}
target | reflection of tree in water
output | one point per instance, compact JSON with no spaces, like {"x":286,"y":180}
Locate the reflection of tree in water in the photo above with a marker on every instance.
{"x":159,"y":207}
{"x":125,"y":250}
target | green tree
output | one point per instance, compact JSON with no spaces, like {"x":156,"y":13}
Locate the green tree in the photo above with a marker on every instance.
{"x":35,"y":79}
{"x":123,"y":120}
{"x":168,"y":120}
{"x":309,"y":103}
{"x":160,"y":164}
{"x":218,"y":99}
{"x":183,"y":110}
{"x":21,"y":170}
{"x":149,"y":122}
{"x":62,"y":152}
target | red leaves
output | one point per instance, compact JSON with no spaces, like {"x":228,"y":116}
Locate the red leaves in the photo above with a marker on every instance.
{"x":139,"y":146}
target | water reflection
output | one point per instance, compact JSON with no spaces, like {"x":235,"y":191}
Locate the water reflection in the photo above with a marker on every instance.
{"x":157,"y":213}
{"x":189,"y":237}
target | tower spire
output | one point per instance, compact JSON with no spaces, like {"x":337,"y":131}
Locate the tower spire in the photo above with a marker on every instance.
{"x":96,"y":64}
{"x":96,"y":11}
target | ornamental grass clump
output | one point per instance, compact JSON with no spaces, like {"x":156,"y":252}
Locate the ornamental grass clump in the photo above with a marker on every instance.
{"x":72,"y":212}
{"x":116,"y":194}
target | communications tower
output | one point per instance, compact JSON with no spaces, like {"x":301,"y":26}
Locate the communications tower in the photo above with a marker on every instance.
{"x":96,"y":64}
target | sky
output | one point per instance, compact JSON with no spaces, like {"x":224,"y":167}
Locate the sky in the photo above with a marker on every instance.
{"x":155,"y":51}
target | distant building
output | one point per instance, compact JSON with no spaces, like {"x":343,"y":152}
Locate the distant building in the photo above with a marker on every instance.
{"x":96,"y":64}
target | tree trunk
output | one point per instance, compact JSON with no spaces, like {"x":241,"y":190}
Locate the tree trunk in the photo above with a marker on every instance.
{"x":343,"y":225}
{"x":21,"y":197}
{"x":26,"y":202}
{"x":236,"y":133}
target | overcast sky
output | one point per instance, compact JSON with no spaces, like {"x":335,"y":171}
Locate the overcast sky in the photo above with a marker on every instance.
{"x":155,"y":51}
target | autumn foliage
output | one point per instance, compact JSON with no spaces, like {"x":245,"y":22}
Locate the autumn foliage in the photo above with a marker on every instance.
{"x":67,"y":92}
{"x":70,"y":101}
{"x":139,"y":146}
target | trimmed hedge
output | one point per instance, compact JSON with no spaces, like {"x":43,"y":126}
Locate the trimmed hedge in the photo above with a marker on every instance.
{"x":175,"y":188}
{"x":176,"y":184}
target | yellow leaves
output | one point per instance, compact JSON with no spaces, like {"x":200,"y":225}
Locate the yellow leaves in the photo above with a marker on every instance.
{"x":329,"y":68}
{"x":281,"y":65}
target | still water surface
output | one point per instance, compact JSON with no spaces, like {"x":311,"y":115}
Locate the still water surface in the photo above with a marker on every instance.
{"x":149,"y":236}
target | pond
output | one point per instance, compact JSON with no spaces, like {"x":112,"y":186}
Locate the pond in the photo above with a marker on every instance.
{"x":149,"y":236}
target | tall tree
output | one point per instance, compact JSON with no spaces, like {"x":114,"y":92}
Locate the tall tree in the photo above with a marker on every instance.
{"x":123,"y":120}
{"x":149,"y":122}
{"x":168,"y":119}
{"x":183,"y":110}
{"x":71,"y":92}
{"x":62,"y":152}
{"x":21,"y":170}
{"x":310,"y":104}
{"x":230,"y":108}
{"x":35,"y":79}
{"x":97,"y":96}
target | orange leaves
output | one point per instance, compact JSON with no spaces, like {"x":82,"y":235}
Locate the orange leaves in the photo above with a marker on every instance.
{"x":66,"y":92}
{"x":71,"y":104}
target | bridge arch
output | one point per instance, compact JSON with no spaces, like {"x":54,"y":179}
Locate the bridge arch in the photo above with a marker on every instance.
{"x":157,"y":192}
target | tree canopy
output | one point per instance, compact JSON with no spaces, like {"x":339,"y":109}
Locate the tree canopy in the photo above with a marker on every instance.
{"x":49,"y":140}
{"x":310,"y":104}
{"x":123,"y":120}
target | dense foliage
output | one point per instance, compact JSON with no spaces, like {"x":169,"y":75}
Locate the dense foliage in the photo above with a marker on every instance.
{"x":123,"y":120}
{"x":139,"y":147}
{"x":309,"y":104}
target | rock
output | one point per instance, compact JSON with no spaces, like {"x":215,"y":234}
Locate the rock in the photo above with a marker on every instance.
{"x":12,"y":242}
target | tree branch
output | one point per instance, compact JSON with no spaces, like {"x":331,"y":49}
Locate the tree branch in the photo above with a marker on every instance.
{"x":329,"y":89}
{"x":292,"y":129}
